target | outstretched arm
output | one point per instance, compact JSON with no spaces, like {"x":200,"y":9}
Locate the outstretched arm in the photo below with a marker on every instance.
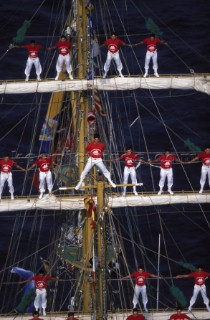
{"x":25,"y":281}
{"x":145,"y":162}
{"x":19,"y":167}
{"x":141,"y":161}
{"x":178,"y":160}
{"x":127,"y":45}
{"x":102,"y":45}
{"x":182,"y":276}
{"x":155,"y":276}
{"x":193,"y":160}
{"x":31,"y":167}
{"x":153,"y":161}
{"x":163,"y":42}
{"x":53,"y":279}
{"x":51,"y":48}
{"x":126,"y":277}
{"x":139,"y":43}
{"x":16,"y":46}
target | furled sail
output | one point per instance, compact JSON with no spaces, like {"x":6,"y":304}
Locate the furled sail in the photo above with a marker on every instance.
{"x":77,"y":202}
{"x":185,"y":82}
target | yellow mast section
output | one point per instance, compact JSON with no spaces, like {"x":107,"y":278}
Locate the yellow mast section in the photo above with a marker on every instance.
{"x":92,"y":297}
{"x":88,"y":234}
{"x":55,"y":104}
{"x":82,"y":22}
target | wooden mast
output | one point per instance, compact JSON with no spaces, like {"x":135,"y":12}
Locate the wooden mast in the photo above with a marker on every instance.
{"x":88,"y":232}
{"x":93,"y":239}
{"x":101,"y":251}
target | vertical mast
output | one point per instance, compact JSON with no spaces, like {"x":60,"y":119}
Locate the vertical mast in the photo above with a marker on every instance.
{"x":158,"y":272}
{"x":82,"y":98}
{"x":83,"y":132}
{"x":82,"y":22}
{"x":93,"y":239}
{"x":101,"y":251}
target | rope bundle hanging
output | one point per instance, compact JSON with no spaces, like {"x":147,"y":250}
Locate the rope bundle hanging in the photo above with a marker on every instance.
{"x":22,"y":32}
{"x":188,"y":266}
{"x":179,"y":296}
{"x":153,"y":28}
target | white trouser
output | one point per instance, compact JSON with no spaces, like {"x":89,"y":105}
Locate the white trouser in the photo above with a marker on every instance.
{"x":205,"y":171}
{"x":163,"y":174}
{"x":64,"y":60}
{"x":29,"y":65}
{"x":6,"y":177}
{"x":149,"y":56}
{"x":202,"y":290}
{"x":137,"y":291}
{"x":92,"y":162}
{"x":117,"y":60}
{"x":48,"y":176}
{"x":40,"y":299}
{"x":132,"y":172}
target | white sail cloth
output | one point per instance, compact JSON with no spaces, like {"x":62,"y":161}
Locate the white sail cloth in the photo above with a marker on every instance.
{"x":191,"y":82}
{"x":77,"y":202}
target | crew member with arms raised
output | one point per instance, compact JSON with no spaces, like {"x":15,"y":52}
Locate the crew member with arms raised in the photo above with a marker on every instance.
{"x":151,"y":53}
{"x":33,"y":58}
{"x":166,"y":170}
{"x":63,"y":46}
{"x":95,"y":150}
{"x":113,"y":44}
{"x":205,"y":169}
{"x":199,"y":286}
{"x":6,"y":165}
{"x":140,"y":286}
{"x":41,"y":293}
{"x":130,"y":170}
{"x":44,"y":163}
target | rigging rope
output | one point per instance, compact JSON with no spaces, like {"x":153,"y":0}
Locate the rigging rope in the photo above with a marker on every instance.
{"x":131,"y":220}
{"x":170,"y":29}
{"x":159,"y":118}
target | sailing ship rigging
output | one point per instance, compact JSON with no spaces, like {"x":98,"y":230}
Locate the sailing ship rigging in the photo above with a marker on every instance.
{"x":97,"y":236}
